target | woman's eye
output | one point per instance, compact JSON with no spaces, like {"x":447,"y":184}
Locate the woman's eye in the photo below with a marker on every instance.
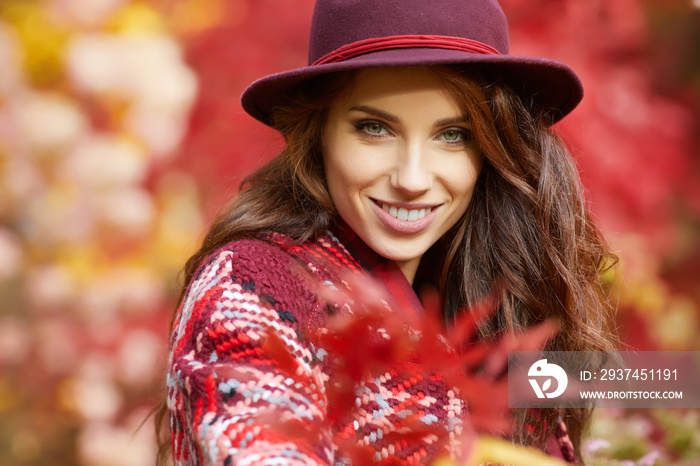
{"x":452,"y":135}
{"x":374,"y":128}
{"x":455,"y":135}
{"x":371,"y":127}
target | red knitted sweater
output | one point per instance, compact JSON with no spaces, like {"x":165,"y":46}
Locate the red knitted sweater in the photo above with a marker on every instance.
{"x":226,"y":392}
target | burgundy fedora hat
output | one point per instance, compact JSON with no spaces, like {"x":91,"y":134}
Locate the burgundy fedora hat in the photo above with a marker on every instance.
{"x":355,"y":34}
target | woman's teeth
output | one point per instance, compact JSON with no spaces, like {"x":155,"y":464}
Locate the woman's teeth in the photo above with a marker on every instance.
{"x":405,"y":214}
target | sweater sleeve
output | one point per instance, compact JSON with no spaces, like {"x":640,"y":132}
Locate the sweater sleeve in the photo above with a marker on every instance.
{"x":229,"y":398}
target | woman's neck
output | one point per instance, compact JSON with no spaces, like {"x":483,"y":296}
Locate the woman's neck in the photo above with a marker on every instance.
{"x":409,"y":268}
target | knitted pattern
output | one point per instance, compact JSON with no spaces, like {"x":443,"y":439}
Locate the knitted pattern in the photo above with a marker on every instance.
{"x":227,"y":395}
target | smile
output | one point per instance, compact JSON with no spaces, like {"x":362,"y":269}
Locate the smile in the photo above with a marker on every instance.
{"x":406,"y":218}
{"x":405,"y":214}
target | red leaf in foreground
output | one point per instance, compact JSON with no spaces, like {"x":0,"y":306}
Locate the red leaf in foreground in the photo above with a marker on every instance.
{"x":279,"y":352}
{"x":370,"y":340}
{"x":464,"y":328}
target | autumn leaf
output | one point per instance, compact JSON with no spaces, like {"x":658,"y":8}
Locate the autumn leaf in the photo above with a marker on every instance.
{"x":489,"y":450}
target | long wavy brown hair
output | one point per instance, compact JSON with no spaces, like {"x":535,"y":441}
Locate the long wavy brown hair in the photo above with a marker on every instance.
{"x":527,"y":228}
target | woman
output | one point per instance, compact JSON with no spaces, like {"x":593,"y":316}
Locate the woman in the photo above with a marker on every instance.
{"x":418,"y":152}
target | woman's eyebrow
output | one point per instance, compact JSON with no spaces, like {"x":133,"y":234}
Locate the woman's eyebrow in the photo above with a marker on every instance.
{"x":452,"y":121}
{"x":458,"y":120}
{"x":376,"y":112}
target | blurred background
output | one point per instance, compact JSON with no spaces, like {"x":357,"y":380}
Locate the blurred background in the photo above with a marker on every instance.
{"x":121,"y":133}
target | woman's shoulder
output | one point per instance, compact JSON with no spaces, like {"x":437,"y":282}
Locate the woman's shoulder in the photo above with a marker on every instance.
{"x":273,"y":252}
{"x":247,"y":257}
{"x":258,"y":248}
{"x":272,"y":267}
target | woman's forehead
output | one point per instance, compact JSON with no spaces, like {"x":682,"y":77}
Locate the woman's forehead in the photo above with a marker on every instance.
{"x":395,"y":82}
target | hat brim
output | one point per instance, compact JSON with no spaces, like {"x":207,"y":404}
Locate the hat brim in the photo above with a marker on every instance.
{"x":551,"y":85}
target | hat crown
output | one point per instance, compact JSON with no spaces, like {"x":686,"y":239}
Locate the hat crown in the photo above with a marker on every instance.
{"x":337,"y":23}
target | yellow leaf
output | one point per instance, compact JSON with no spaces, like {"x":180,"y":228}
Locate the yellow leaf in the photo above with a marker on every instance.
{"x":493,"y":450}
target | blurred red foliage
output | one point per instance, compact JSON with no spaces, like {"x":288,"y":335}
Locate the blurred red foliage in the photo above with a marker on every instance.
{"x":371,"y":341}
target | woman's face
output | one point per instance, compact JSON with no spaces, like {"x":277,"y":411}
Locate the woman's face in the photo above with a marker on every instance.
{"x":400,"y":161}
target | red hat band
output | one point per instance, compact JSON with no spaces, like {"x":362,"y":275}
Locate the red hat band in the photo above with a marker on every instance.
{"x":362,"y":47}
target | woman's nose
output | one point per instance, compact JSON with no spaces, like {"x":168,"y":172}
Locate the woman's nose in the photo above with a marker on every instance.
{"x":412,"y":173}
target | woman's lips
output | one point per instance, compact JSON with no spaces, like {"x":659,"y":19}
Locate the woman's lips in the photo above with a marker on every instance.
{"x":405,"y":218}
